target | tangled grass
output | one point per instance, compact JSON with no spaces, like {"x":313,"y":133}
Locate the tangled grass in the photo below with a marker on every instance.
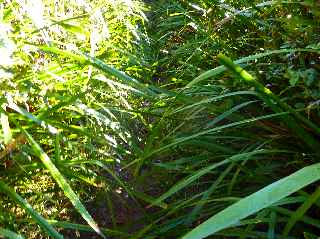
{"x":121,"y":118}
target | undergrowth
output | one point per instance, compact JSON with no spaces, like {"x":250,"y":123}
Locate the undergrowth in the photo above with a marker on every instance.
{"x":128,"y":119}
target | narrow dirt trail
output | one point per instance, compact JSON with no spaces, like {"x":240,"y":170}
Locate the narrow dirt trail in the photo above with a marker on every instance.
{"x":120,"y":211}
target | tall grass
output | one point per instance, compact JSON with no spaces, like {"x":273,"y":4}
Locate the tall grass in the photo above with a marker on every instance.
{"x":126,"y":113}
{"x":228,"y":140}
{"x":62,"y":122}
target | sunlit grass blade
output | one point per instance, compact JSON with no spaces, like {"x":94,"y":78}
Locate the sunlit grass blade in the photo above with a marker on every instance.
{"x":61,"y":181}
{"x":99,"y":64}
{"x":7,"y":135}
{"x":254,"y":7}
{"x":46,"y":227}
{"x":256,"y":201}
{"x":271,"y":99}
{"x":9,"y":234}
{"x":26,"y":114}
{"x":72,"y":28}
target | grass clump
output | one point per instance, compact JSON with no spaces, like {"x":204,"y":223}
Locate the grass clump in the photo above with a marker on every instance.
{"x":139,"y":128}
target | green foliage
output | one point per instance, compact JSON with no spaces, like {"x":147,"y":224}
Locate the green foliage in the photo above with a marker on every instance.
{"x":257,"y":201}
{"x":60,"y":113}
{"x":132,"y":114}
{"x":40,"y":220}
{"x":9,"y":234}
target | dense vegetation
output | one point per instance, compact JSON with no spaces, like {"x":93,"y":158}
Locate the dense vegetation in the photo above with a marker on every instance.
{"x":128,"y":119}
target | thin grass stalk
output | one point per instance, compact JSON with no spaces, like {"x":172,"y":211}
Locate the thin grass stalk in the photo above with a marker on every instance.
{"x":274,"y":103}
{"x":45,"y":226}
{"x":301,"y":211}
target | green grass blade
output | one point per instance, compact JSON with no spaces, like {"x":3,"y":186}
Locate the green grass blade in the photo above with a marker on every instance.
{"x":236,"y":233}
{"x":9,"y":234}
{"x":196,"y":175}
{"x":12,"y":105}
{"x":253,"y":7}
{"x":57,"y":148}
{"x":197,"y":209}
{"x":36,"y":216}
{"x":272,"y":225}
{"x":99,"y":64}
{"x":304,"y":219}
{"x":86,"y":228}
{"x":256,"y":201}
{"x":308,"y":235}
{"x":73,"y":28}
{"x":301,"y":211}
{"x":228,"y":113}
{"x":212,"y":99}
{"x":251,"y":225}
{"x":274,"y":102}
{"x":7,"y":136}
{"x":180,"y":140}
{"x":62,"y":182}
{"x":220,"y":69}
{"x":267,"y":95}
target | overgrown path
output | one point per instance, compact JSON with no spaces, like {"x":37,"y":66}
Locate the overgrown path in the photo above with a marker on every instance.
{"x":145,"y":127}
{"x":185,"y":40}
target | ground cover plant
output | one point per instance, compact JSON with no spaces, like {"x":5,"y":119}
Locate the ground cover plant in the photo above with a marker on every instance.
{"x":159,"y":119}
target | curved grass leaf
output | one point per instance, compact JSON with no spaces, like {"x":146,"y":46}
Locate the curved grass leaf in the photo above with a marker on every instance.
{"x":99,"y":64}
{"x":212,"y":99}
{"x":9,"y":234}
{"x":275,"y":103}
{"x":228,"y":113}
{"x":216,"y":129}
{"x":205,"y":132}
{"x":36,"y":216}
{"x":308,"y":235}
{"x":256,"y":201}
{"x":196,"y":175}
{"x":220,"y":69}
{"x":73,"y":28}
{"x":12,"y":105}
{"x":62,"y":182}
